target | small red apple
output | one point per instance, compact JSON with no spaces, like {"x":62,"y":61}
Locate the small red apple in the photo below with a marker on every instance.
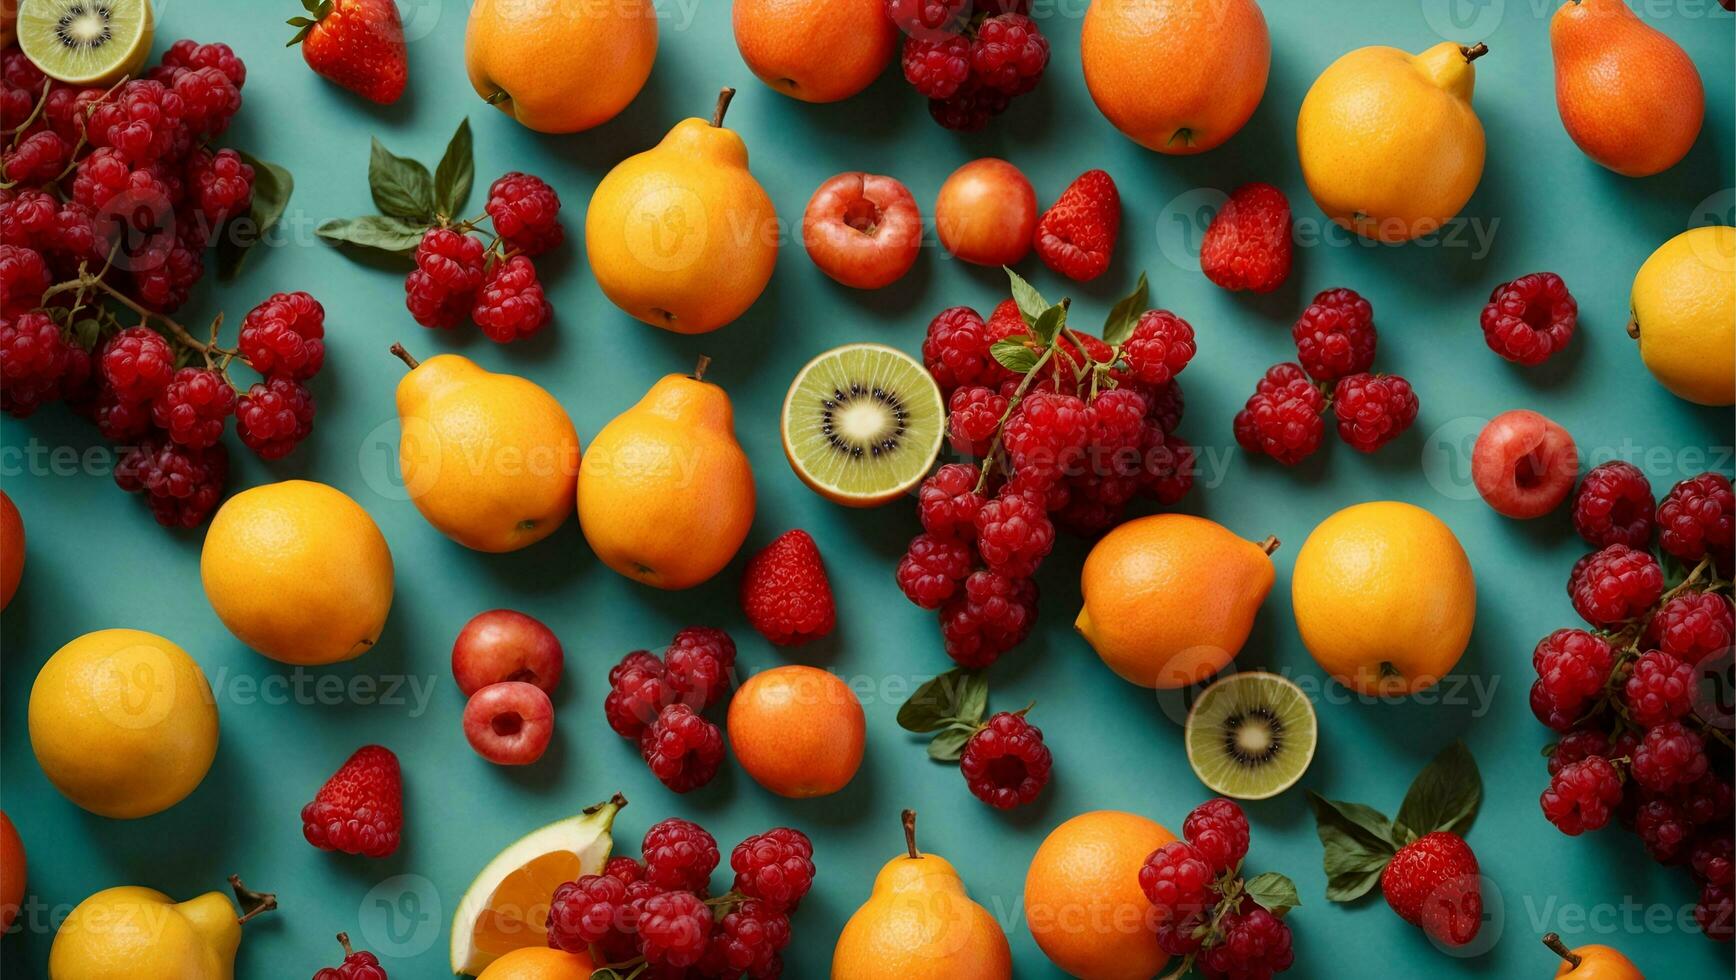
{"x":510,"y":723}
{"x":986,"y":213}
{"x":1524,"y":464}
{"x":862,"y":230}
{"x":503,"y":645}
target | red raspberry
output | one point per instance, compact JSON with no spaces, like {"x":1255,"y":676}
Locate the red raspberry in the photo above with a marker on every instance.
{"x":1076,"y":236}
{"x":1669,"y":756}
{"x":1716,"y":913}
{"x":1160,"y":347}
{"x":698,"y":663}
{"x":1692,"y":626}
{"x":1046,"y":438}
{"x":182,"y":485}
{"x":1118,"y":429}
{"x":209,"y":100}
{"x":1664,"y":830}
{"x":624,"y":868}
{"x":448,"y":275}
{"x":1614,"y":505}
{"x":1698,"y":518}
{"x":673,"y":929}
{"x":68,"y":109}
{"x":591,"y":910}
{"x":936,"y":66}
{"x":785,"y":593}
{"x":1168,"y":466}
{"x":1248,"y":243}
{"x":1335,"y":335}
{"x":166,"y":272}
{"x":776,"y":867}
{"x":1373,"y":409}
{"x":747,"y":939}
{"x":285,"y":335}
{"x":511,"y":304}
{"x":1530,"y":318}
{"x":994,"y":614}
{"x":970,"y":108}
{"x":38,"y":159}
{"x":357,"y":964}
{"x":142,"y":120}
{"x":195,"y":407}
{"x":1177,"y":879}
{"x":1433,"y":882}
{"x":1009,"y":53}
{"x":679,"y":854}
{"x":23,"y":279}
{"x":526,"y":212}
{"x":922,"y":17}
{"x":360,"y":810}
{"x":274,"y":417}
{"x":682,"y":749}
{"x":116,"y":191}
{"x":138,"y":364}
{"x":948,"y":502}
{"x":1014,"y":535}
{"x":19,"y":71}
{"x":1255,"y":944}
{"x":1282,"y":418}
{"x":1005,"y":763}
{"x":1660,"y":689}
{"x":1218,"y":831}
{"x":1615,"y":584}
{"x":221,"y":184}
{"x":932,"y":569}
{"x":1707,"y":800}
{"x":1572,"y":667}
{"x":956,"y":350}
{"x":1710,"y":860}
{"x":117,"y":419}
{"x":638,"y":691}
{"x":190,"y":54}
{"x":975,"y":418}
{"x":1582,"y":795}
{"x":1578,"y":744}
{"x":1165,"y":405}
{"x":27,"y":217}
{"x":35,"y":358}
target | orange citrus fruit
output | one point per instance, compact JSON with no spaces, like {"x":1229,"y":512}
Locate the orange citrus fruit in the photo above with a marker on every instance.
{"x":1083,"y":902}
{"x":815,"y":50}
{"x":539,"y":963}
{"x":798,"y":731}
{"x":558,"y":66}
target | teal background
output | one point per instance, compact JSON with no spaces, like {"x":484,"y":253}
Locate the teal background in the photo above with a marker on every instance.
{"x":97,"y":560}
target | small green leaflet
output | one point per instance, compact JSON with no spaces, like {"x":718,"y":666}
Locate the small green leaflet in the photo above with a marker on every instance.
{"x":272,"y":186}
{"x":374,"y":231}
{"x":1444,"y":796}
{"x":1016,"y":357}
{"x":456,"y":172}
{"x":952,"y":705}
{"x":1030,"y":302}
{"x":949,"y":744}
{"x":1274,"y":891}
{"x":402,"y":187}
{"x":1357,"y":842}
{"x":410,"y":199}
{"x":1049,"y":323}
{"x":1124,"y":316}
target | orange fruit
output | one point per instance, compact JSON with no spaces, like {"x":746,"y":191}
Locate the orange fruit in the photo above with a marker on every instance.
{"x":1177,"y":76}
{"x":798,"y":731}
{"x":11,"y":549}
{"x":539,"y":963}
{"x":1629,"y":96}
{"x":1170,"y":598}
{"x":1083,"y":902}
{"x":558,"y":66}
{"x":815,"y":50}
{"x":13,"y":872}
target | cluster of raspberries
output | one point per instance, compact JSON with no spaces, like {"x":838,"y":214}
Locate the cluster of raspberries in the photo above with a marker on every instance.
{"x":1638,"y":742}
{"x":1285,"y":417}
{"x":659,"y":912}
{"x":123,"y":183}
{"x":969,"y":58}
{"x":494,"y":285}
{"x":658,"y":702}
{"x":1058,"y":451}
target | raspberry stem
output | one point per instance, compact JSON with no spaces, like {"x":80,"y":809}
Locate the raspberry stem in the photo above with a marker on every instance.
{"x":1013,"y":402}
{"x":252,"y":903}
{"x":1560,"y":949}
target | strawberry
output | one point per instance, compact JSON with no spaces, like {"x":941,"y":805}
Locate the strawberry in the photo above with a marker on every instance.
{"x":1433,"y":882}
{"x":1247,"y":245}
{"x":1076,"y":236}
{"x":785,"y":592}
{"x":358,"y":44}
{"x":360,"y":810}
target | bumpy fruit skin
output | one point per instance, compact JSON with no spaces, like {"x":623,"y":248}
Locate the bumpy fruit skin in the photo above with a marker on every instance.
{"x":511,"y":304}
{"x":1177,"y":880}
{"x":1372,"y":410}
{"x":1698,"y":518}
{"x":1076,"y":236}
{"x":182,"y":485}
{"x":360,"y":810}
{"x":285,"y":335}
{"x":1572,"y":668}
{"x":1530,"y":319}
{"x":274,"y":417}
{"x":933,"y":569}
{"x":785,"y":592}
{"x":1248,"y":244}
{"x":1670,"y":755}
{"x":590,"y":910}
{"x":1218,"y":831}
{"x":698,"y":665}
{"x":936,"y":66}
{"x":673,"y":928}
{"x":1283,"y":417}
{"x":638,"y":693}
{"x":449,"y":271}
{"x":1615,"y":585}
{"x":359,"y":45}
{"x":1582,"y":795}
{"x":1692,"y":626}
{"x":1614,"y":505}
{"x":1162,"y":344}
{"x":526,"y":213}
{"x":1014,"y":535}
{"x":1256,"y":943}
{"x":956,"y":350}
{"x":776,"y":867}
{"x":679,"y":854}
{"x":994,"y":614}
{"x":682,"y":749}
{"x":1659,"y":689}
{"x":1433,"y":882}
{"x":1005,"y":763}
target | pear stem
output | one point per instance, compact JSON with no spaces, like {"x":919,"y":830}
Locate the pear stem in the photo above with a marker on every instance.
{"x":405,"y":356}
{"x":1270,"y":544}
{"x":722,"y":106}
{"x":909,"y":818}
{"x":1560,"y":949}
{"x":1633,"y":327}
{"x":1474,"y":52}
{"x":252,"y":903}
{"x":699,"y":369}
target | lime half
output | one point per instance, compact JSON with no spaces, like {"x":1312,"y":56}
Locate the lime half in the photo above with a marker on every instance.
{"x":86,"y":42}
{"x":863,"y":424}
{"x":1251,"y":735}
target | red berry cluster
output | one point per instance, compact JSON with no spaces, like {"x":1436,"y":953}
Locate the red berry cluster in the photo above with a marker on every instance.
{"x":494,"y":284}
{"x":969,"y":58}
{"x":1003,"y":758}
{"x":357,"y":964}
{"x":1202,"y":907}
{"x":658,"y":702}
{"x":1335,"y":338}
{"x":658,"y":911}
{"x":1070,"y":429}
{"x":1634,"y":744}
{"x":1531,"y":318}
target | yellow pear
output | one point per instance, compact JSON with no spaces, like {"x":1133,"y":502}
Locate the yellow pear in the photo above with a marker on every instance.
{"x":682,"y":236}
{"x":1390,"y":145}
{"x":666,"y":494}
{"x":919,"y":923}
{"x":489,"y":459}
{"x":130,"y":932}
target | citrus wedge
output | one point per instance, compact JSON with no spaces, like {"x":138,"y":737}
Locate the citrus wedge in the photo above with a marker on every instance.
{"x":506,"y":907}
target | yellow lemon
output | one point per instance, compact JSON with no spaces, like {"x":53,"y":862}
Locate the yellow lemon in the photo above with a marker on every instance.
{"x":1384,"y":598}
{"x":299,"y":572}
{"x":123,"y":723}
{"x":1684,"y":315}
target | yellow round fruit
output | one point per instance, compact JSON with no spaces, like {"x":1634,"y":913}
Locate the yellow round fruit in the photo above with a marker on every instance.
{"x":128,"y":932}
{"x":1390,"y":145}
{"x":299,"y":572}
{"x":558,"y":66}
{"x":123,"y":723}
{"x":1384,"y":598}
{"x":1083,"y":902}
{"x":1684,"y":315}
{"x":534,"y":963}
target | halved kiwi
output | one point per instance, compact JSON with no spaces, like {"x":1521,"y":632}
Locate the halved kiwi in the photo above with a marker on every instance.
{"x":862,"y":424}
{"x":86,"y":42}
{"x":1251,"y":735}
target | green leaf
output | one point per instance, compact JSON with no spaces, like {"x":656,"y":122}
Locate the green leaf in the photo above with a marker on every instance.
{"x":402,"y":187}
{"x":86,"y":331}
{"x":456,"y":172}
{"x":1444,"y":796}
{"x":1275,"y":892}
{"x":374,"y":231}
{"x":1124,"y":316}
{"x":1049,"y":324}
{"x":942,"y":700}
{"x":1030,"y":302}
{"x":272,"y":187}
{"x":973,"y":698}
{"x":949,"y":744}
{"x":1016,"y":357}
{"x":1357,"y":843}
{"x":1350,"y":886}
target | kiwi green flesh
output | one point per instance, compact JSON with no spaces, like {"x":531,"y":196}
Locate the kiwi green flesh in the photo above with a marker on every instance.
{"x":1251,"y":736}
{"x":80,"y":38}
{"x":864,"y":420}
